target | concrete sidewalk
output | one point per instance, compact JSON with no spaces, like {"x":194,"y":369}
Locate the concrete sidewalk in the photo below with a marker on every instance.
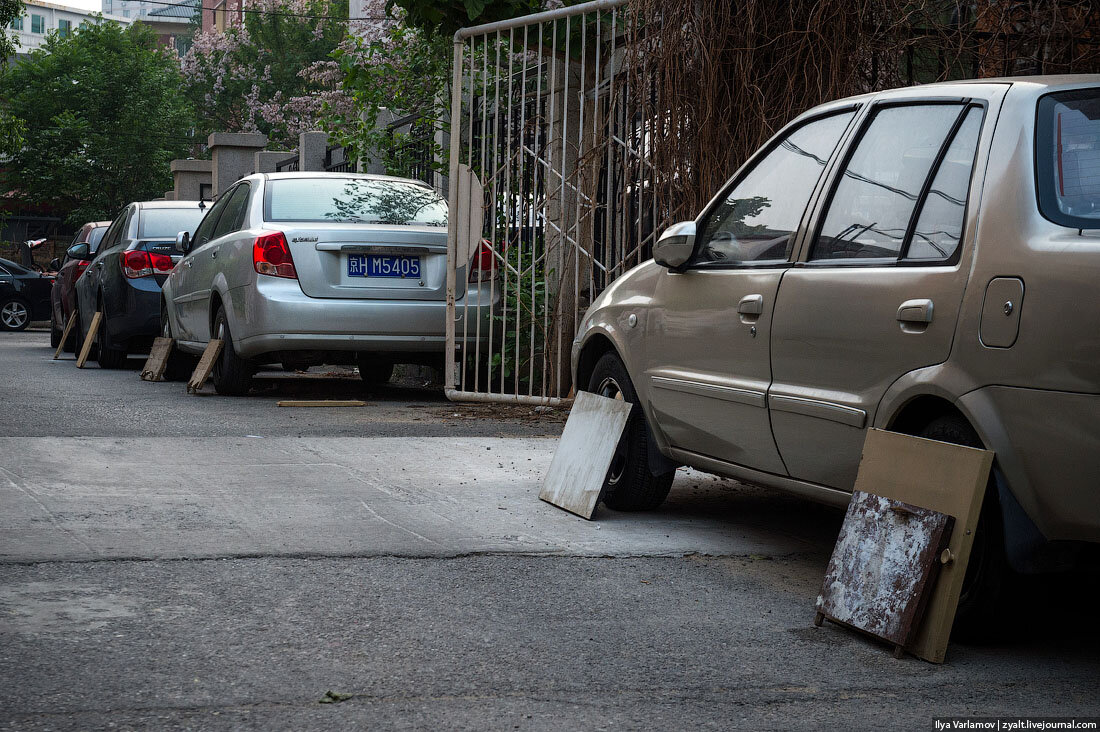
{"x":73,"y":499}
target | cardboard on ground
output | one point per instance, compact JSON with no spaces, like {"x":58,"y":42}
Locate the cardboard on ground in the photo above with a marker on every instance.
{"x":942,"y":477}
{"x":584,"y":453}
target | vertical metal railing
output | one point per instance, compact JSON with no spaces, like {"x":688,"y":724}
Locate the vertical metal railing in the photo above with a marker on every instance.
{"x":550,"y":184}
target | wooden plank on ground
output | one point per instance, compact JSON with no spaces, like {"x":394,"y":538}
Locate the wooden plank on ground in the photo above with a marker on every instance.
{"x":321,"y":403}
{"x":950,"y":479}
{"x":885,"y":562}
{"x":587,"y":446}
{"x":87,"y":347}
{"x":205,"y":365}
{"x":65,"y":336}
{"x":157,"y":362}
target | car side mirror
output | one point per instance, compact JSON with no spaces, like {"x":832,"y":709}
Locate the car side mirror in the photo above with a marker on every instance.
{"x":55,"y":264}
{"x":676,"y":245}
{"x":183,"y":242}
{"x":77,"y":251}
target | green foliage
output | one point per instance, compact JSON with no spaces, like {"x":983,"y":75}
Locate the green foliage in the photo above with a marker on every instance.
{"x":102,"y":116}
{"x":524,"y":318}
{"x":403,"y":72}
{"x":9,"y":11}
{"x":441,"y":18}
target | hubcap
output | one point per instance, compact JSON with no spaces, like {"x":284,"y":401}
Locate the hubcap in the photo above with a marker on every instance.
{"x":14,"y":314}
{"x":610,"y":388}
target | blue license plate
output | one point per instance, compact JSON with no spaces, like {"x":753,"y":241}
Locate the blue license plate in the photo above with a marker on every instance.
{"x":383,"y":265}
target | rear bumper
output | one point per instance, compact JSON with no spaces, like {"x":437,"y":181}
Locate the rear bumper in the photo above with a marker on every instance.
{"x":1047,"y":445}
{"x":275,"y":315}
{"x":133,"y":315}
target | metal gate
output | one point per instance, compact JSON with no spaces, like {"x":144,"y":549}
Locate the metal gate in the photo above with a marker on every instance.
{"x":550,"y":193}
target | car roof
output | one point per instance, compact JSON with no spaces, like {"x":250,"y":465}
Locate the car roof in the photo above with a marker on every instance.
{"x":165,"y":204}
{"x":325,"y":174}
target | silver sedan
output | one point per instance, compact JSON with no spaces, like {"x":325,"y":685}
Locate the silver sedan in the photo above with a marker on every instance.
{"x":311,"y":268}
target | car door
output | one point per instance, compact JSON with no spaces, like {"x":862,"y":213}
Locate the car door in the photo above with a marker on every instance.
{"x":707,"y":360}
{"x":190,"y":295}
{"x":87,"y":285}
{"x":206,"y":262}
{"x":877,"y":289}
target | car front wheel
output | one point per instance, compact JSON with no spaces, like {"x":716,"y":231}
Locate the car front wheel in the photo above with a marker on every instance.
{"x":629,"y":485}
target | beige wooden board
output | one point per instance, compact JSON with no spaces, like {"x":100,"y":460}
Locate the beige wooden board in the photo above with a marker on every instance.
{"x":87,"y":347}
{"x":65,"y":336}
{"x":584,"y":453}
{"x":321,"y":403}
{"x":205,"y":365}
{"x":950,"y":479}
{"x":157,"y":362}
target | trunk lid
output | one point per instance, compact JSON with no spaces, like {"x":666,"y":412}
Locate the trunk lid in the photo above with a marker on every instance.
{"x":370,"y":261}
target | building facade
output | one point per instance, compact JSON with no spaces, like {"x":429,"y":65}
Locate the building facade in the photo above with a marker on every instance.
{"x":40,"y":18}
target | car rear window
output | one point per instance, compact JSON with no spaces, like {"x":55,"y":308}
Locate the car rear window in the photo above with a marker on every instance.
{"x":165,"y":223}
{"x":353,"y":201}
{"x":1068,"y":157}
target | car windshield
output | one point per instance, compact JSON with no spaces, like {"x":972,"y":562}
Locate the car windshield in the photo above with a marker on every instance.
{"x":165,"y":223}
{"x":354,"y":201}
{"x":1069,"y":157}
{"x":94,"y":237}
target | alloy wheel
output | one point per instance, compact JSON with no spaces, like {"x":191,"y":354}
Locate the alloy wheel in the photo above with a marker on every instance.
{"x":14,"y":315}
{"x":610,"y":389}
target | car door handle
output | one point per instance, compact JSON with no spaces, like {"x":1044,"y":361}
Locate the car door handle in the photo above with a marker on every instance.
{"x":915,"y":311}
{"x":214,"y":253}
{"x":188,"y":263}
{"x":751,"y":305}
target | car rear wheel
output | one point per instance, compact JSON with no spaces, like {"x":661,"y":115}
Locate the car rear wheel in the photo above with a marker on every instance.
{"x":629,"y":485}
{"x":180,"y":365}
{"x":981,"y":604}
{"x":108,"y":357}
{"x":14,"y":314}
{"x":374,"y":369}
{"x":232,"y":374}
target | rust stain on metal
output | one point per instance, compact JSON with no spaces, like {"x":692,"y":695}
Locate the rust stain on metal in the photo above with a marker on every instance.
{"x":883,"y":566}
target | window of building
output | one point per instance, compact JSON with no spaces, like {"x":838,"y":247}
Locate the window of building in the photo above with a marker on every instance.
{"x":38,"y":23}
{"x":64,"y":28}
{"x":17,"y":23}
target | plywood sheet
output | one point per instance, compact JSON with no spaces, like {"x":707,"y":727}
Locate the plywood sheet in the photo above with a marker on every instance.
{"x":950,"y":479}
{"x":205,"y":365}
{"x":157,"y":362}
{"x":65,"y":336}
{"x":584,"y":453}
{"x":87,"y":347}
{"x":885,"y":561}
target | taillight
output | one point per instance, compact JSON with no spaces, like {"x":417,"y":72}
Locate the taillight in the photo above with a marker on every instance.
{"x":136,"y":263}
{"x":80,"y":266}
{"x":271,"y":256}
{"x":483,"y":266}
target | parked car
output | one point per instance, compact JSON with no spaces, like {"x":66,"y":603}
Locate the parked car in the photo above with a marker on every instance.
{"x":922,"y":260}
{"x":123,"y":281}
{"x":24,"y":295}
{"x":63,"y":295}
{"x":310,"y":268}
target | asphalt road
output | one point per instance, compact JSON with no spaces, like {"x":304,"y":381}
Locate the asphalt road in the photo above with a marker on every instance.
{"x":196,"y":562}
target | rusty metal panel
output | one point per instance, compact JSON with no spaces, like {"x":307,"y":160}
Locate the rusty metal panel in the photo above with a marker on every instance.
{"x":884,"y":564}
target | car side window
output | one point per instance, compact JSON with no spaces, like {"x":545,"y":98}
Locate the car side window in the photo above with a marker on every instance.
{"x":758,"y":218}
{"x":233,"y":215}
{"x":112,"y":236}
{"x":940,"y":224}
{"x":874,"y":199}
{"x":205,"y":230}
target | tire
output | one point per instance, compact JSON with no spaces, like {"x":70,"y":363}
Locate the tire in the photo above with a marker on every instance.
{"x":979,"y":617}
{"x":15,"y":314}
{"x":374,"y":369}
{"x":108,"y":358}
{"x":629,"y":484}
{"x":55,"y":334}
{"x":232,"y":374}
{"x":180,"y":365}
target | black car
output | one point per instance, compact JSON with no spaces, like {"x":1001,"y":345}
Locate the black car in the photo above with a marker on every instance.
{"x":123,"y":281}
{"x":24,"y":296}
